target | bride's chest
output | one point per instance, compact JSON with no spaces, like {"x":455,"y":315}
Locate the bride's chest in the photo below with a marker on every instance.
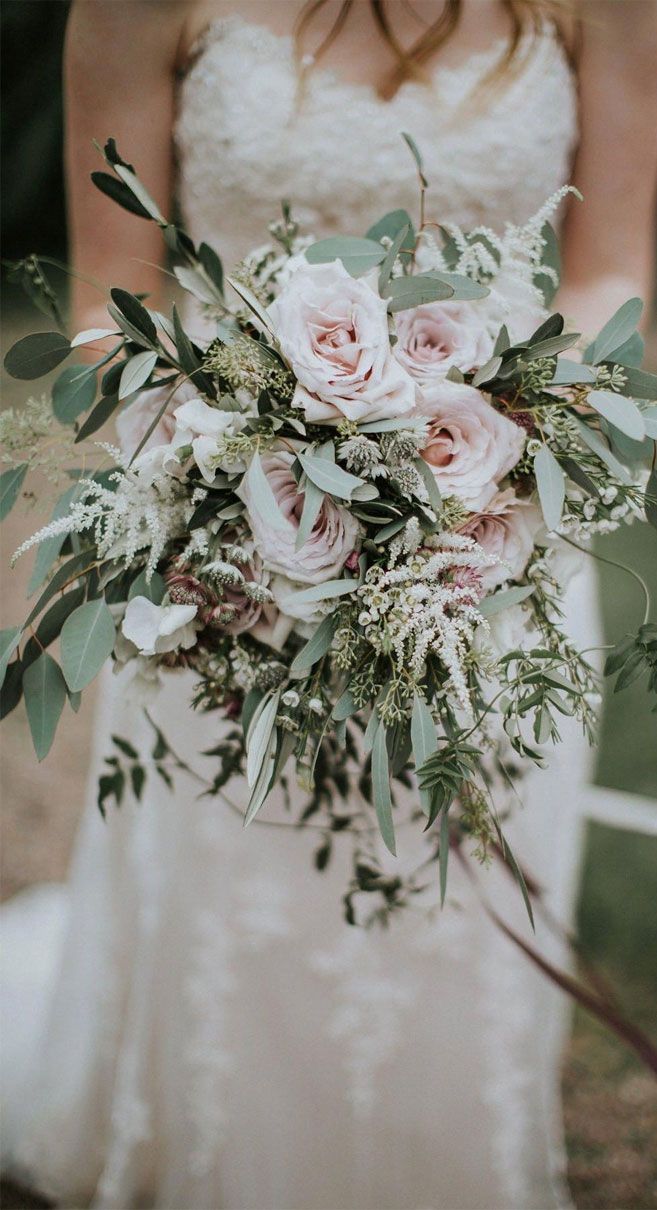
{"x":247,"y":139}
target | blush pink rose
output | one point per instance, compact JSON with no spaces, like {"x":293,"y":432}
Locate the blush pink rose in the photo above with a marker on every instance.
{"x":332,"y":539}
{"x":434,"y":337}
{"x":506,"y":529}
{"x":333,"y":330}
{"x":470,"y":446}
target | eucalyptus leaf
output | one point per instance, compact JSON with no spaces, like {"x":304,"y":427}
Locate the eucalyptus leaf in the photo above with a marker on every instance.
{"x":11,"y":482}
{"x":135,"y":373}
{"x":36,"y":355}
{"x":499,"y":601}
{"x":49,"y":548}
{"x":616,"y":331}
{"x":264,"y":497}
{"x":621,"y":412}
{"x":465,"y":289}
{"x":313,"y":500}
{"x":135,"y":313}
{"x":87,"y":641}
{"x":388,"y":265}
{"x":119,"y":193}
{"x":329,"y":477}
{"x":424,"y":741}
{"x":44,"y":690}
{"x":381,"y":789}
{"x":9,"y":640}
{"x":569,"y":373}
{"x":640,"y":384}
{"x":73,"y":392}
{"x":417,"y":156}
{"x":197,"y":284}
{"x":260,"y":731}
{"x":322,"y":592}
{"x":104,"y":409}
{"x":487,"y":372}
{"x":429,"y":479}
{"x":132,"y":182}
{"x":415,"y":290}
{"x":316,"y":647}
{"x":550,"y":482}
{"x":90,"y":335}
{"x":252,"y":303}
{"x":358,"y":255}
{"x":596,"y":443}
{"x":345,"y":707}
{"x":154,"y":589}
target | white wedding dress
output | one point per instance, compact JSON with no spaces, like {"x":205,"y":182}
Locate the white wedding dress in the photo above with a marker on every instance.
{"x":190,"y":1025}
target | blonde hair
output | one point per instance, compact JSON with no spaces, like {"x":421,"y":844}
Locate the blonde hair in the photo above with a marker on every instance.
{"x":525,"y":16}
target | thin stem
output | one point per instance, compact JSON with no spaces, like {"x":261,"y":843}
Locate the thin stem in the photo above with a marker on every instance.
{"x":621,"y":567}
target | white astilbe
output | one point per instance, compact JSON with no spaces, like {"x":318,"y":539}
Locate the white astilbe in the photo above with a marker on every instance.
{"x":427,"y":605}
{"x":137,"y":516}
{"x":508,"y":262}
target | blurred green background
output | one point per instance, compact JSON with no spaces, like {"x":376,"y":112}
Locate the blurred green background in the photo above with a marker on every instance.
{"x":611,"y":1117}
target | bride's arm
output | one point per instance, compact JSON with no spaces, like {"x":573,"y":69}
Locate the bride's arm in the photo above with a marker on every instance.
{"x":119,"y":69}
{"x":608,"y":241}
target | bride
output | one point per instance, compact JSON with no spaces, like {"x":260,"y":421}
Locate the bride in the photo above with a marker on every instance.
{"x":193,"y":1026}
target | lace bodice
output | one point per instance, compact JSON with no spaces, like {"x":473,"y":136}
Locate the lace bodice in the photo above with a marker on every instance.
{"x":245,"y":141}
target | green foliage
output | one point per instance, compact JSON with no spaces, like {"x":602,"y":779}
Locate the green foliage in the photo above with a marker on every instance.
{"x":36,"y":355}
{"x":44,"y":689}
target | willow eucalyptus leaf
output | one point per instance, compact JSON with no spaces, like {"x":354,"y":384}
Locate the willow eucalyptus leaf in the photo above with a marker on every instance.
{"x":381,"y":789}
{"x":11,"y":482}
{"x":316,"y":647}
{"x":322,"y":592}
{"x":329,"y":477}
{"x":9,"y":640}
{"x":424,"y":741}
{"x":260,"y":731}
{"x":499,"y":601}
{"x":135,"y":373}
{"x":551,"y":485}
{"x":597,"y":444}
{"x":267,"y":503}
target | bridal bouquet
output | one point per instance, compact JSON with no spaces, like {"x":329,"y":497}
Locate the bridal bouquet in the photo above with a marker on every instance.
{"x":349,"y":509}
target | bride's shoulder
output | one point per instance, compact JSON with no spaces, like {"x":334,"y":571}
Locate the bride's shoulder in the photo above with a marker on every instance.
{"x":92,"y":28}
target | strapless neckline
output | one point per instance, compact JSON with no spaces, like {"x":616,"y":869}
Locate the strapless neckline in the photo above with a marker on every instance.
{"x":245,"y":139}
{"x":475,"y":65}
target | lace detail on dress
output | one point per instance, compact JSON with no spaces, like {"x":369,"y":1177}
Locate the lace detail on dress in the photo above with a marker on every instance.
{"x":367,"y":1020}
{"x":245,"y":142}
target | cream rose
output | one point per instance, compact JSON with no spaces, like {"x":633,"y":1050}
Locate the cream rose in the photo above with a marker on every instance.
{"x":507,"y":529}
{"x":434,"y":337}
{"x":332,"y":539}
{"x":202,"y":426}
{"x":333,"y":329}
{"x":470,"y":447}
